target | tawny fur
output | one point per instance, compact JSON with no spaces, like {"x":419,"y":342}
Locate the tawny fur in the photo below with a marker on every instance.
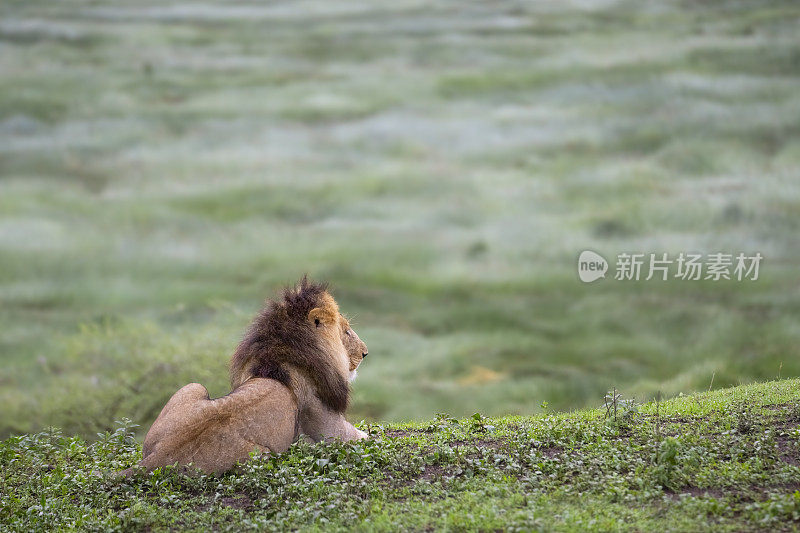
{"x":289,"y":376}
{"x":213,"y":435}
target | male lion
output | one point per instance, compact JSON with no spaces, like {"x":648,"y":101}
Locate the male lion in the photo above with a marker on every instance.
{"x":289,"y":376}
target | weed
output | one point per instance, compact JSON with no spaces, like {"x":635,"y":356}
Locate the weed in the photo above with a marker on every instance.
{"x":746,"y":418}
{"x":666,"y":461}
{"x":480,"y":423}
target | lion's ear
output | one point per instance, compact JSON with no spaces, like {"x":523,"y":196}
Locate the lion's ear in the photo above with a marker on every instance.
{"x":317,"y":316}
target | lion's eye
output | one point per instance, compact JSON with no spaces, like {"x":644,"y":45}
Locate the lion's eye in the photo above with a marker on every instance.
{"x":347,"y":333}
{"x":316,"y":322}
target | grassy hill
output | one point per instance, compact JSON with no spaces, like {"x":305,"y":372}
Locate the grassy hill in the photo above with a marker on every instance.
{"x":727,"y":460}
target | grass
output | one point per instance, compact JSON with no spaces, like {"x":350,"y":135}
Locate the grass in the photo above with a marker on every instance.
{"x":166,"y":166}
{"x":726,"y":460}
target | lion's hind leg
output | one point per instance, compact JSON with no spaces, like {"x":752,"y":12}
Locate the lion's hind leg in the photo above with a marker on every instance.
{"x":189,"y":399}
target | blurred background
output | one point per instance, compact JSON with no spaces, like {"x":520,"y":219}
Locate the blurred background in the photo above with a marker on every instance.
{"x":165,"y":166}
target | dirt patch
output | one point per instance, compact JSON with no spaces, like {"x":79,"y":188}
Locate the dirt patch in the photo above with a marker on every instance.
{"x":551,"y":452}
{"x":399,"y":433}
{"x":494,"y":444}
{"x":240,"y":501}
{"x":788,"y":448}
{"x":786,"y":406}
{"x":745,"y":495}
{"x":433,"y":472}
{"x":788,"y":488}
{"x":695,"y":492}
{"x":788,"y":451}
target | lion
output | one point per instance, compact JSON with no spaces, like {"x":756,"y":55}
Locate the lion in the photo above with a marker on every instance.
{"x":290,"y":376}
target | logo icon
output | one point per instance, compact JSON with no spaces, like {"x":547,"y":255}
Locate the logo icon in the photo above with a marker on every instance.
{"x":591,"y":266}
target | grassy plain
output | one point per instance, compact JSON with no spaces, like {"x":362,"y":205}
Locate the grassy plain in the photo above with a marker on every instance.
{"x":164,"y":166}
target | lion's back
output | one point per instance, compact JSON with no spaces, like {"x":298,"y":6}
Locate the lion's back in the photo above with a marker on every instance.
{"x":261,"y":415}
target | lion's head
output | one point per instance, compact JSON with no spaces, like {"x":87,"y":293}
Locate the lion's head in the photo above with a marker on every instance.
{"x":356,"y":349}
{"x":304,"y":329}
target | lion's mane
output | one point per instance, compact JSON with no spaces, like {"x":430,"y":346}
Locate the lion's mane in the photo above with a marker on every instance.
{"x":281,"y":335}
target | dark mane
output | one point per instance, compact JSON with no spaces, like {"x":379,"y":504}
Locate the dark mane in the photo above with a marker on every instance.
{"x":280,"y":335}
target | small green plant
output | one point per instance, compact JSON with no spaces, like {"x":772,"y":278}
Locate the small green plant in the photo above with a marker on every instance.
{"x":746,"y":420}
{"x":611,"y":401}
{"x":444,"y":420}
{"x":480,"y":423}
{"x":620,"y":413}
{"x":657,"y":419}
{"x":666,"y":461}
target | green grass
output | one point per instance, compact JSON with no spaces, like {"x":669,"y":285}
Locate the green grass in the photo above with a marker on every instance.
{"x":726,"y":460}
{"x":166,"y":166}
